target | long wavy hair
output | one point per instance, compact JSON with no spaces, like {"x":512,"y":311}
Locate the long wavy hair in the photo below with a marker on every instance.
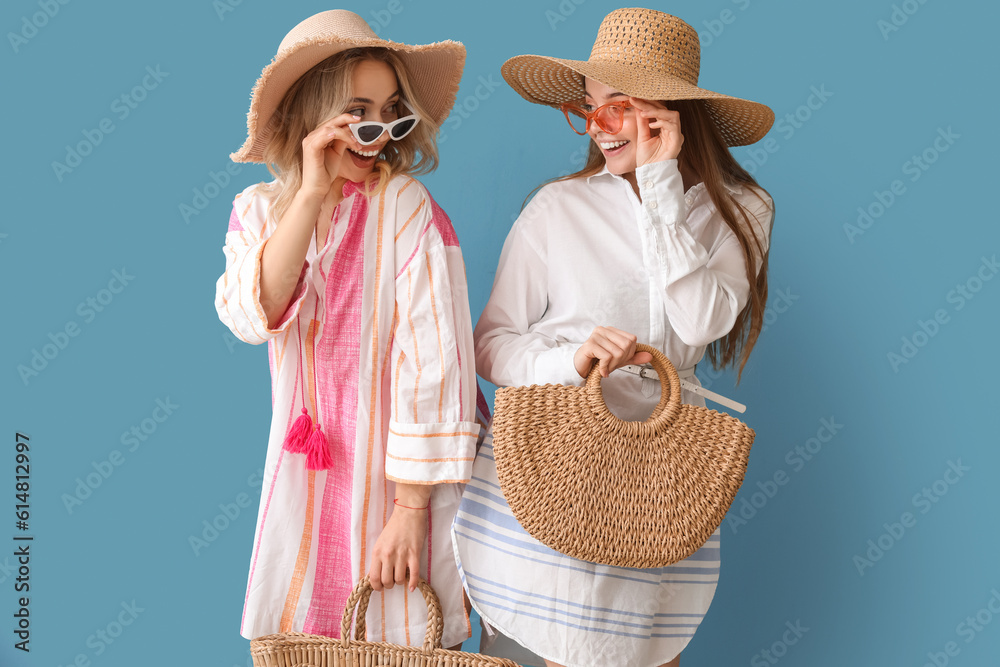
{"x":325,"y":92}
{"x":706,"y":155}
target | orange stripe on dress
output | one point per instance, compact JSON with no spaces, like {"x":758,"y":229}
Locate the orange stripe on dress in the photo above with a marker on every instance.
{"x":372,"y":405}
{"x":406,"y":611}
{"x":301,"y":562}
{"x":239,"y":287}
{"x":225,"y":301}
{"x":385,"y":487}
{"x":416,"y":351}
{"x":410,"y":219}
{"x":437,"y":326}
{"x":432,"y":435}
{"x":444,"y":460}
{"x":421,"y":483}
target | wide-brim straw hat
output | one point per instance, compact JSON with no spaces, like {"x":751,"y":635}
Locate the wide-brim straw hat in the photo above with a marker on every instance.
{"x":434,"y":69}
{"x":642,"y":53}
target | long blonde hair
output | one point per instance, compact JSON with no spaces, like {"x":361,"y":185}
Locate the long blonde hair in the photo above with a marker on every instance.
{"x":706,"y":155}
{"x":324,"y":92}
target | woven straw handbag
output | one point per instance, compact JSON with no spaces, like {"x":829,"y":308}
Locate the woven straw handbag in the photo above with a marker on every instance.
{"x":296,"y":649}
{"x":598,"y":488}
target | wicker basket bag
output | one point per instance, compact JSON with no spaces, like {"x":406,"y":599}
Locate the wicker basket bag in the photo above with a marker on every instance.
{"x":598,"y":488}
{"x":296,"y":649}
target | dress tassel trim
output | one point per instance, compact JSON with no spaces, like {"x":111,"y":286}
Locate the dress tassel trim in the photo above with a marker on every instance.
{"x":295,"y":439}
{"x":305,"y":437}
{"x":318,"y":451}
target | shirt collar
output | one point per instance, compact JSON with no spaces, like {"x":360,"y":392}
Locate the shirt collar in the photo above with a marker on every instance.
{"x":693,"y":190}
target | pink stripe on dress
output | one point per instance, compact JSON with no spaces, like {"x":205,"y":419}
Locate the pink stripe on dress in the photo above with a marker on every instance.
{"x":337,"y":370}
{"x":234,"y":221}
{"x":441,"y":220}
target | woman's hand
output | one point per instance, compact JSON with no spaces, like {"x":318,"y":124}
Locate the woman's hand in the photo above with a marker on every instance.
{"x":322,"y":152}
{"x":664,"y":144}
{"x":613,"y":348}
{"x":398,"y":548}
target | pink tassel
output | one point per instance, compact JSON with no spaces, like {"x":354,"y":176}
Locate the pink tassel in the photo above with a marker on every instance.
{"x":295,"y":439}
{"x":318,"y":451}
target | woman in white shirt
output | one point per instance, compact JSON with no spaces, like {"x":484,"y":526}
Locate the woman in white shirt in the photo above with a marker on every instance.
{"x":661,"y":238}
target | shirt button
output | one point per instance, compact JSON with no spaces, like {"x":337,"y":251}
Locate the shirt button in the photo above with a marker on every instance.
{"x":648,"y":184}
{"x":652,"y":204}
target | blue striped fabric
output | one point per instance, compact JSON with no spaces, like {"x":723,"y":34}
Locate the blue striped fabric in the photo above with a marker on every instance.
{"x":567,"y":610}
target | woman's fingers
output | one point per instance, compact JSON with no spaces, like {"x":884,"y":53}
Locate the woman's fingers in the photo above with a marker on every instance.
{"x":387,"y":576}
{"x":414,"y":567}
{"x":611,"y":347}
{"x":641,"y":358}
{"x":375,"y":575}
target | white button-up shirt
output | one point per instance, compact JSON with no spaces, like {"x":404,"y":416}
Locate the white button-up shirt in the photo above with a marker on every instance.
{"x":587,"y":252}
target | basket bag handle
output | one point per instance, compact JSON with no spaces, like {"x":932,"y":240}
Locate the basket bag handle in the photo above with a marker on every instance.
{"x":362,"y":595}
{"x":666,"y":409}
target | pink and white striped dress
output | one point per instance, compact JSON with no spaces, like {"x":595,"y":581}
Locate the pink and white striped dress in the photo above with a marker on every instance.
{"x":376,"y":346}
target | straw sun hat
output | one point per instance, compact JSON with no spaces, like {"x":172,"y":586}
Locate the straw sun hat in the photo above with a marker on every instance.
{"x":645,"y":54}
{"x":435,"y":70}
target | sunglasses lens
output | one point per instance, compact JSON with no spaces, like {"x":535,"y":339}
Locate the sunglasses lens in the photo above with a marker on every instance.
{"x":577,"y":119}
{"x":402,"y":129}
{"x":369,"y":133}
{"x":610,"y":119}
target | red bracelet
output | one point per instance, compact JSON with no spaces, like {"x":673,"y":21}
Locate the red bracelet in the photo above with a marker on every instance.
{"x":395,"y":501}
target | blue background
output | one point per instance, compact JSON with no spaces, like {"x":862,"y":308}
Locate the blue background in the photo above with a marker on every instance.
{"x":791,"y":550}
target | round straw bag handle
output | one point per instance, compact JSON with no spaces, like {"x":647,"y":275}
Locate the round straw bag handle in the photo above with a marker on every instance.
{"x":666,"y":410}
{"x":362,"y":595}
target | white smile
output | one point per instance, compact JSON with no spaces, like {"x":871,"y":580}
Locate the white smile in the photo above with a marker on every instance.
{"x":365,"y":153}
{"x":611,"y":145}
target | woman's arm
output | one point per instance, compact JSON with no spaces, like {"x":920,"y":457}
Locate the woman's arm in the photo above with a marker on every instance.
{"x":705,"y":289}
{"x":285,"y":251}
{"x":237,"y":292}
{"x":432,"y":424}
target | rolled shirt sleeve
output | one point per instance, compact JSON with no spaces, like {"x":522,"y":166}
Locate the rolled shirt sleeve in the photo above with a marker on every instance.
{"x":237,"y":292}
{"x":433,"y":429}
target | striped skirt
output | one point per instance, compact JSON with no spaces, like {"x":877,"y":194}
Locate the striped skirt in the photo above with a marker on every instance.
{"x":573,"y":612}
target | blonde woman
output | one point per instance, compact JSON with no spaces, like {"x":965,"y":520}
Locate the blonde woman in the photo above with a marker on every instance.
{"x":351,"y":273}
{"x":662,"y":238}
